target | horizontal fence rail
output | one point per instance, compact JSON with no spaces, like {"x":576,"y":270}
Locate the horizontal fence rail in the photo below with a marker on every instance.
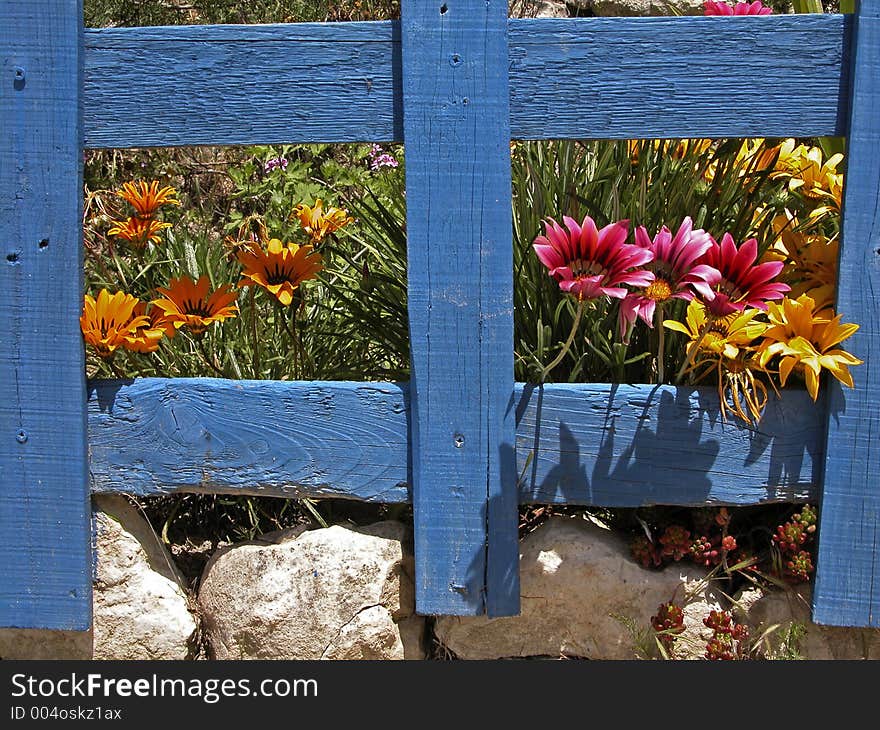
{"x":599,"y":444}
{"x":569,"y":78}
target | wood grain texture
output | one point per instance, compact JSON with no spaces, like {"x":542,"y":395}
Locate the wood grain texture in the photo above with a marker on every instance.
{"x":242,"y":84}
{"x":325,"y":439}
{"x":848,"y":569}
{"x":774,"y":76}
{"x":45,"y":576}
{"x":632,"y":445}
{"x":615,"y":446}
{"x":569,"y":78}
{"x":460,"y":294}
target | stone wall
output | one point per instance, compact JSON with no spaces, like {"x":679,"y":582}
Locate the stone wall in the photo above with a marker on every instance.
{"x":346,"y":592}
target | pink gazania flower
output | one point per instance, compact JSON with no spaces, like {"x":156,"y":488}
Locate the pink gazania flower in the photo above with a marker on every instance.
{"x":589,"y":263}
{"x":741,"y":284}
{"x":711,"y":7}
{"x":676,"y":273}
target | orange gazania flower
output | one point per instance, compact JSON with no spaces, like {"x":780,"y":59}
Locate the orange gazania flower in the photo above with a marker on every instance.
{"x":137,"y":231}
{"x":148,"y":334}
{"x":147,"y":199}
{"x":318,"y":222}
{"x":109,"y":320}
{"x":188,"y":303}
{"x":280,"y":269}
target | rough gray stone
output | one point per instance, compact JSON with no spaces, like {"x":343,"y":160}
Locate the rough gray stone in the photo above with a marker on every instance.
{"x":538,"y":9}
{"x":772,"y":615}
{"x":583,"y":595}
{"x":334,"y":593}
{"x":140,"y":607}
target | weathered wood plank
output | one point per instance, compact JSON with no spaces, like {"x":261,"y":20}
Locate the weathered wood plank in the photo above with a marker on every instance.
{"x":574,"y":78}
{"x":848,"y":570}
{"x":632,"y":445}
{"x":775,"y":76}
{"x":242,"y":84}
{"x":605,"y":445}
{"x":323,"y":439}
{"x":460,"y":294}
{"x":45,"y":577}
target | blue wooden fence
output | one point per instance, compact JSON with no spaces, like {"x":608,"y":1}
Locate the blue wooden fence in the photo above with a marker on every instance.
{"x":455,"y":81}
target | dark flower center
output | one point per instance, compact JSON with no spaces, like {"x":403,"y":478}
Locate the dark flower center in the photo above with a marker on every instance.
{"x":279,"y":275}
{"x":199,"y":308}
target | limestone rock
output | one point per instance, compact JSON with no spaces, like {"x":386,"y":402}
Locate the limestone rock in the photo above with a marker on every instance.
{"x":786,"y":608}
{"x":140,"y":603}
{"x":583,"y":595}
{"x":538,"y":9}
{"x":140,"y":606}
{"x":638,"y":7}
{"x":334,"y":593}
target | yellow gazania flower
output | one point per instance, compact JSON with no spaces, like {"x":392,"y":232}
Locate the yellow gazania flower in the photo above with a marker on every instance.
{"x":726,"y":343}
{"x":280,"y":269}
{"x":147,"y":199}
{"x":753,"y":156}
{"x":137,"y":231}
{"x":188,"y":303}
{"x":725,"y":336}
{"x":806,"y":171}
{"x":810,"y":261}
{"x":805,"y":339}
{"x":318,"y":222}
{"x":147,"y":335}
{"x":108,"y":320}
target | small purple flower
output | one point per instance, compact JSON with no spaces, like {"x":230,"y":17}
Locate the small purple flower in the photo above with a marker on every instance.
{"x":274,"y":164}
{"x":379,"y":158}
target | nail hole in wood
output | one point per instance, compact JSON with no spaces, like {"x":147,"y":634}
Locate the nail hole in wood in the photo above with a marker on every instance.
{"x":443,"y":9}
{"x":44,"y":243}
{"x":12,"y":258}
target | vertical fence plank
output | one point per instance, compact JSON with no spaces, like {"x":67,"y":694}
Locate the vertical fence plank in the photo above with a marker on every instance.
{"x":460,"y":268}
{"x":848,"y":569}
{"x":45,"y":575}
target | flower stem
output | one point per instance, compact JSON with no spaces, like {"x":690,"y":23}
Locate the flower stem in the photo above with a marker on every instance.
{"x":256,"y":339}
{"x":661,"y":342}
{"x":290,"y":329}
{"x":692,"y":353}
{"x":567,"y":346}
{"x":209,"y":360}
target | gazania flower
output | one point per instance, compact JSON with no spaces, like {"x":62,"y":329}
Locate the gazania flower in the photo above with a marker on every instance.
{"x":676,"y":274}
{"x":725,"y":346}
{"x":752,"y":158}
{"x":280,"y":269}
{"x":318,"y":222}
{"x":808,"y":171}
{"x":710,"y":7}
{"x":188,"y":303}
{"x":147,"y":199}
{"x":742,"y":283}
{"x":108,"y":320}
{"x":137,"y":231}
{"x":590,"y":263}
{"x":723,"y":337}
{"x":147,"y":335}
{"x":810,"y":262}
{"x":805,"y":340}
